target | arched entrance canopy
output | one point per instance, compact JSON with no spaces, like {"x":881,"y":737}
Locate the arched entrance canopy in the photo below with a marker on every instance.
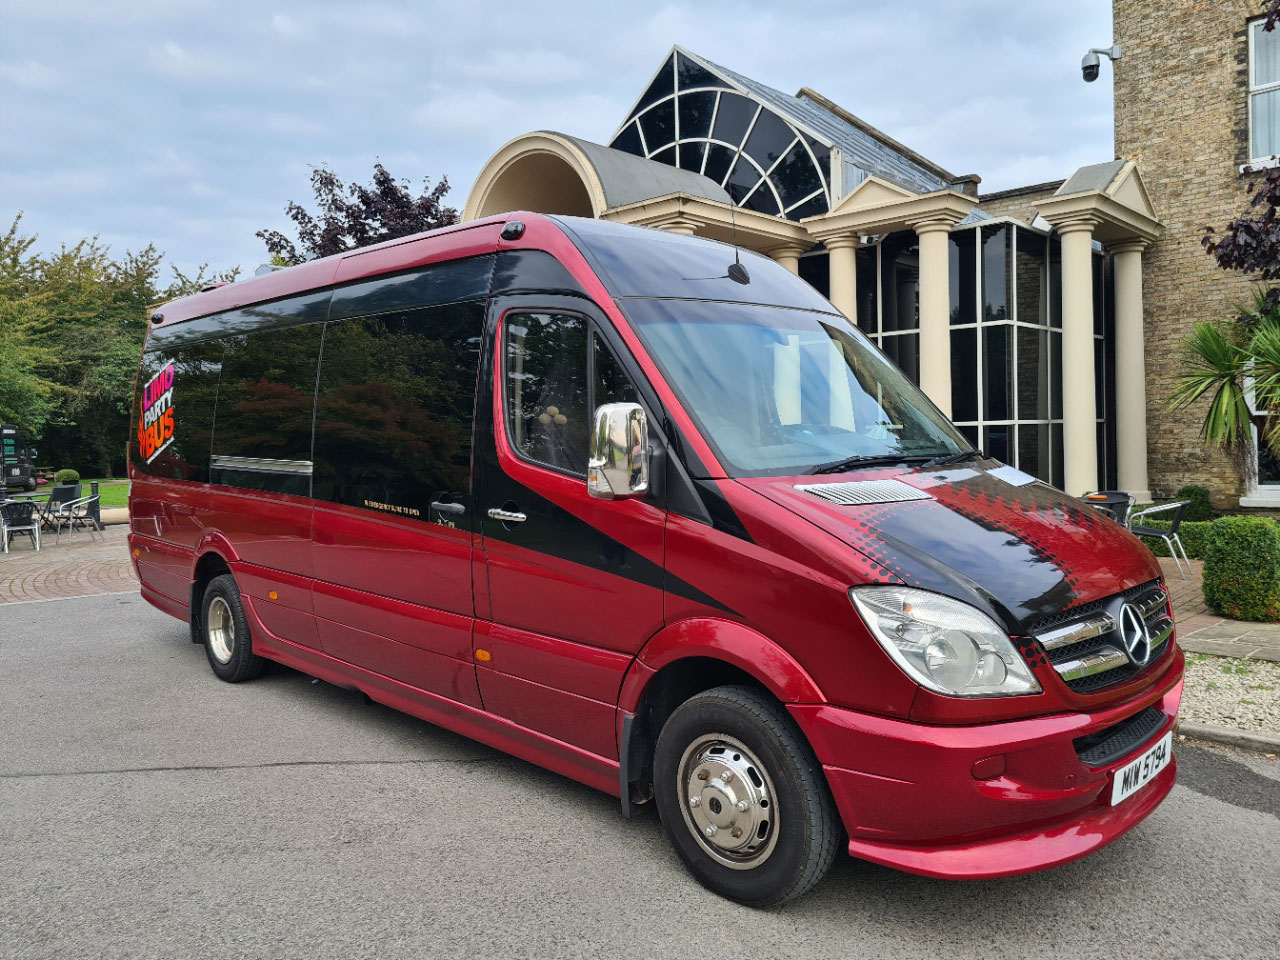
{"x":549,"y":172}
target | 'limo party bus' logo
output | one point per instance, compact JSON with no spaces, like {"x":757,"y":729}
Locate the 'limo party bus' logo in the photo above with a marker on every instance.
{"x":155,"y":427}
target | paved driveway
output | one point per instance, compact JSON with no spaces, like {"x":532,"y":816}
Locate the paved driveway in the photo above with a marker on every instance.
{"x":148,"y":810}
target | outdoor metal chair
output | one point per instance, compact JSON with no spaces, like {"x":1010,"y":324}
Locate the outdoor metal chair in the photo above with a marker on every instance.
{"x":1170,"y":536}
{"x":73,"y":514}
{"x":59,"y":495}
{"x":1115,"y":503}
{"x":19,"y":516}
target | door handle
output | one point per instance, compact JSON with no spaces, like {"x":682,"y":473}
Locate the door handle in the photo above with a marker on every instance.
{"x":454,"y":508}
{"x":507,"y":516}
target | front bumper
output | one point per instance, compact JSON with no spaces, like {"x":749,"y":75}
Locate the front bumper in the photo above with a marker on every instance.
{"x":911,"y":798}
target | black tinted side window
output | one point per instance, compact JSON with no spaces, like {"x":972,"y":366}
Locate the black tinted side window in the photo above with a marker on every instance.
{"x":265,"y":404}
{"x":177,"y":391}
{"x":557,"y":371}
{"x":395,"y":406}
{"x":546,"y":388}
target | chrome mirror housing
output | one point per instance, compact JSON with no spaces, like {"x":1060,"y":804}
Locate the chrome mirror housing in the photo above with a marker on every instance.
{"x":619,"y":459}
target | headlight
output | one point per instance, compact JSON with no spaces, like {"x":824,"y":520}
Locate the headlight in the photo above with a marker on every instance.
{"x":943,"y":644}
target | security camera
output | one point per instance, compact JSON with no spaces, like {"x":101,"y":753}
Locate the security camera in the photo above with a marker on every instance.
{"x":1090,"y":65}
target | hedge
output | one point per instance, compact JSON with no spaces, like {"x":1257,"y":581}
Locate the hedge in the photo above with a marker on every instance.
{"x":66,"y":477}
{"x":1242,"y":568}
{"x":1199,"y":506}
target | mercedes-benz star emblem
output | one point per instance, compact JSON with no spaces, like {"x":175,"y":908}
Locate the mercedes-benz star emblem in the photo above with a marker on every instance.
{"x":1133,"y":632}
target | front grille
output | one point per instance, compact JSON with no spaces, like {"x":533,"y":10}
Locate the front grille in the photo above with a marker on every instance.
{"x":1085,"y":645}
{"x":1109,"y":745}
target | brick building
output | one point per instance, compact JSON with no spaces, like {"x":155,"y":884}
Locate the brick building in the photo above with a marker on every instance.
{"x":1043,"y":320}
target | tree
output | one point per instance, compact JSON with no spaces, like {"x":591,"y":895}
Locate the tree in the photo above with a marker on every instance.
{"x":354,"y":215}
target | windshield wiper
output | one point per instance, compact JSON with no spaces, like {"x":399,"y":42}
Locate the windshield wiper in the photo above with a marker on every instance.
{"x":952,"y":458}
{"x":848,"y":463}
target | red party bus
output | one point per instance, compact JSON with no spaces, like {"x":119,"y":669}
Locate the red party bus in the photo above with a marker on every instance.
{"x":648,"y":511}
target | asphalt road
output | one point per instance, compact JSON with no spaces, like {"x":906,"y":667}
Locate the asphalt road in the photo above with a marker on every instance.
{"x":148,"y":810}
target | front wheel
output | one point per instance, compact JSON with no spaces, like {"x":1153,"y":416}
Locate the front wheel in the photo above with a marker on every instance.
{"x":742,"y":797}
{"x":226,"y":632}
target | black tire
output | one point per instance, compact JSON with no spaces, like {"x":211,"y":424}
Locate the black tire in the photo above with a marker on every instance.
{"x":225,"y":632}
{"x":793,"y":796}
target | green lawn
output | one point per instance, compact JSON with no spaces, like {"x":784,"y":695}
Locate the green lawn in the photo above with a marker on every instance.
{"x":111,"y":493}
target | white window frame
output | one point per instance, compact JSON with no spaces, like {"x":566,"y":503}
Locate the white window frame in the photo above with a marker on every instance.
{"x":1256,"y":494}
{"x":1264,"y":161}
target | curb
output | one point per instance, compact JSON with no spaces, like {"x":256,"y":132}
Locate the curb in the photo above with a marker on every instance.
{"x":1259,"y":742}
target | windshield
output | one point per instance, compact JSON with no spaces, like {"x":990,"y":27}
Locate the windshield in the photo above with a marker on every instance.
{"x":778,"y":391}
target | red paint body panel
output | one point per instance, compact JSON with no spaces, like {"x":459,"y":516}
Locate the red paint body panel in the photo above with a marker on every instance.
{"x":397,"y":608}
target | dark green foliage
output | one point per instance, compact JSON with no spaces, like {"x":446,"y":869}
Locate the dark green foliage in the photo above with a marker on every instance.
{"x":1200,"y":507}
{"x":66,"y":477}
{"x":1242,"y":568}
{"x":1193,"y":534}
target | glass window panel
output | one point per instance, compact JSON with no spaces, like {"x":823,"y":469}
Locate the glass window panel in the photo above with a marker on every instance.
{"x":628,"y":140}
{"x":742,"y":179}
{"x":1055,"y":281}
{"x":997,"y":372}
{"x":546,"y":388}
{"x":1099,"y":381}
{"x":1266,"y":124}
{"x":995,"y":274}
{"x":1033,"y":374}
{"x":822,"y":154}
{"x":734,"y":115}
{"x":690,"y":75}
{"x":810,"y":208}
{"x":691,"y":155}
{"x":1033,"y":450}
{"x":763,"y":201}
{"x":696,"y":110}
{"x":1099,"y":293}
{"x":1266,"y":55}
{"x":667,"y":156}
{"x":1102,"y":461}
{"x":816,"y":271}
{"x":719,"y":160}
{"x":177,"y":392}
{"x":266,"y":396}
{"x":394,"y":408}
{"x":1055,"y":375}
{"x":769,"y":139}
{"x":900,"y":282}
{"x":865,"y":265}
{"x":964,"y":276}
{"x":796,"y":177}
{"x":904,"y":350}
{"x":1032,"y":276}
{"x":964,"y":386}
{"x":663,"y":85}
{"x":995,"y":441}
{"x":612,"y":385}
{"x":659,"y":125}
{"x":971,"y":434}
{"x":1055,"y":450}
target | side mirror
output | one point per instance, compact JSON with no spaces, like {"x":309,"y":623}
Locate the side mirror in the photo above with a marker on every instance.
{"x":619,"y":459}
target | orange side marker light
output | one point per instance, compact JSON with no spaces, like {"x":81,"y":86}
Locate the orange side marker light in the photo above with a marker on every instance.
{"x":484,"y":656}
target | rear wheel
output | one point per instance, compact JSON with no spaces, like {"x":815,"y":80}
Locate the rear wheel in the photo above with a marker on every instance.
{"x":742,"y":797}
{"x":226,"y":632}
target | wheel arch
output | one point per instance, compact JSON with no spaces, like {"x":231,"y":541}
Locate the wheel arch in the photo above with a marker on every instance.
{"x":209,"y":564}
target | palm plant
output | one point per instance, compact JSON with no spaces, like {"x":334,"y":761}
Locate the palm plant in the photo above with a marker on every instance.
{"x":1218,"y":360}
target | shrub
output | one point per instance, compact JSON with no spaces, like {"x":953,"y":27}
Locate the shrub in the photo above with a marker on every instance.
{"x":1200,"y":507}
{"x":66,"y":477}
{"x":1242,"y":568}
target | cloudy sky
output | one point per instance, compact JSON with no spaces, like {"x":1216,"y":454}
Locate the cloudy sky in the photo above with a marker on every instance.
{"x":191,"y":123}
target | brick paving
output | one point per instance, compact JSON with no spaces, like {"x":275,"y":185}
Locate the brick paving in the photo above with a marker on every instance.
{"x":72,"y":568}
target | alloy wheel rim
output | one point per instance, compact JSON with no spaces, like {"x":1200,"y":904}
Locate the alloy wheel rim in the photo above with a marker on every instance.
{"x":221,"y":630}
{"x":728,"y":801}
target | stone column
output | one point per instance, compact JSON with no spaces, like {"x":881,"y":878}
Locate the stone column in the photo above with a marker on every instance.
{"x":1079,"y":407}
{"x":789,"y":255}
{"x":935,"y":312}
{"x":1131,"y":373}
{"x":842,"y":260}
{"x":677,"y":225}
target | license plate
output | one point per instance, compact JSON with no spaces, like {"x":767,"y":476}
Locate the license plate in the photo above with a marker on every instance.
{"x":1135,"y":775}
